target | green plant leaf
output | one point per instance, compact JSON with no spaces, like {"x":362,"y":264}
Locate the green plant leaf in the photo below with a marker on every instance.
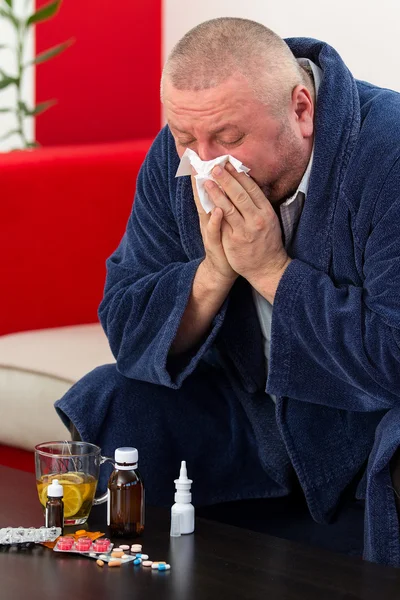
{"x":8,"y":15}
{"x":37,"y":110}
{"x":22,"y":106}
{"x":6,"y":110}
{"x":44,"y":13}
{"x":32,"y":145}
{"x":9,"y":134}
{"x":43,"y":56}
{"x":9,"y":2}
{"x":42,"y":107}
{"x":6,"y":81}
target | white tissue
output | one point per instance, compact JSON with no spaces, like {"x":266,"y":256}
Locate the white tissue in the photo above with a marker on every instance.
{"x":204,"y":168}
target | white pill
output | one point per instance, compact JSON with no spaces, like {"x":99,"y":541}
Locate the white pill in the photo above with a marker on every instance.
{"x":104,"y":556}
{"x":124,"y":547}
{"x":126,"y":557}
{"x":147,"y":563}
{"x":136,"y":547}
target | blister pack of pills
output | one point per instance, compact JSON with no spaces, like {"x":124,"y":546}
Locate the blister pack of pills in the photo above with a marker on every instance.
{"x":83,"y":545}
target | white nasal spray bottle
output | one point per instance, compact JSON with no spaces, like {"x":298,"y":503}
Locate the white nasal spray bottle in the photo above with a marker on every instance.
{"x":182,"y":512}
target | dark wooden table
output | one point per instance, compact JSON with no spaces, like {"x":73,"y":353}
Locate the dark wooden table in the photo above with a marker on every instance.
{"x":217,"y":562}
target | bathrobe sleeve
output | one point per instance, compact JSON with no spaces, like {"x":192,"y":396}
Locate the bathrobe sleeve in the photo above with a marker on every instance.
{"x":339,"y":345}
{"x":149,"y":280}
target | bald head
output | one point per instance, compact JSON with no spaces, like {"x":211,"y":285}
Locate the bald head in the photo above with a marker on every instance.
{"x":213,"y":51}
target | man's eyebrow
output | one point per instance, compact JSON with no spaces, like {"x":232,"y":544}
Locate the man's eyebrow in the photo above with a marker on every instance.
{"x":172,"y":126}
{"x":221,"y":129}
{"x":212,"y":132}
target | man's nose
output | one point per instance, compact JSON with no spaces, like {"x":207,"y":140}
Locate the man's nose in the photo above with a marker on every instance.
{"x":207,"y":152}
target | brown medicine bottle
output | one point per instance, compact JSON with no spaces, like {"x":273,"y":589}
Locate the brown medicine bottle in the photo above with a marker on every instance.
{"x":54,"y":510}
{"x":125,"y":507}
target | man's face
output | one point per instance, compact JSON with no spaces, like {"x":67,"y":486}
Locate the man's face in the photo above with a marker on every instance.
{"x":228,"y":119}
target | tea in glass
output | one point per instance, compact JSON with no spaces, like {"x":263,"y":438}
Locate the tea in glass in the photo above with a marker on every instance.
{"x":76,"y":465}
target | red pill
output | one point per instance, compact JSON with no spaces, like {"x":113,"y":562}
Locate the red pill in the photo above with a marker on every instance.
{"x":83,"y":544}
{"x":65,"y":543}
{"x":101,"y":545}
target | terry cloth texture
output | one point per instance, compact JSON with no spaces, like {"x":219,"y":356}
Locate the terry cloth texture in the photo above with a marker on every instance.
{"x":335,"y":357}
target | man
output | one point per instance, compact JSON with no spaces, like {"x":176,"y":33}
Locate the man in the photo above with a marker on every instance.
{"x":260,"y":342}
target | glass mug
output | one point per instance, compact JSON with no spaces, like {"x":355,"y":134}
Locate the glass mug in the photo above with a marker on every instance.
{"x":76,"y":465}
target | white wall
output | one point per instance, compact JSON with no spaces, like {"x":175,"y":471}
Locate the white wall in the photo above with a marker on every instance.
{"x":8,"y":64}
{"x":364,"y":32}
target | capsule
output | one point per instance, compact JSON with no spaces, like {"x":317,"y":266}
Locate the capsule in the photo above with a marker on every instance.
{"x":100,"y":563}
{"x":142,"y":556}
{"x":137,"y":561}
{"x":161,"y":566}
{"x":114,"y":563}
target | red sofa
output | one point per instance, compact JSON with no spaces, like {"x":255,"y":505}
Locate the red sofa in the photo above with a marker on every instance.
{"x":63,"y":212}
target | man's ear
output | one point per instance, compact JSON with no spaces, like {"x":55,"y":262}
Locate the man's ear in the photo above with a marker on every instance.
{"x":303,"y":110}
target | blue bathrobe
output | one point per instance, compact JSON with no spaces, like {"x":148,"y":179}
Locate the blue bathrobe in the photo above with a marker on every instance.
{"x":335,"y":348}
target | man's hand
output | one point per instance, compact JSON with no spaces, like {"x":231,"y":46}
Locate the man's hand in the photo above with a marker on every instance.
{"x":215,"y":261}
{"x":251,"y":233}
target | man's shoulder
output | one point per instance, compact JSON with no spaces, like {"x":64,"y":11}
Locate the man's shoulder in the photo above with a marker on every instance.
{"x":379,"y":136}
{"x":380,"y":107}
{"x":162,"y":154}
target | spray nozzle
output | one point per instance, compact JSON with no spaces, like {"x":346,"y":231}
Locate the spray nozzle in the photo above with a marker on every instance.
{"x":183,"y":485}
{"x":183,"y":478}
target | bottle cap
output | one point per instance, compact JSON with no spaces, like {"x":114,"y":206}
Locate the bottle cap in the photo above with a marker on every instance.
{"x":126,"y":455}
{"x":55,"y":489}
{"x":183,"y":485}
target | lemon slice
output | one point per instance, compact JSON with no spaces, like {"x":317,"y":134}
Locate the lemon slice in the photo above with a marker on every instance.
{"x":69,"y":477}
{"x":72,"y":500}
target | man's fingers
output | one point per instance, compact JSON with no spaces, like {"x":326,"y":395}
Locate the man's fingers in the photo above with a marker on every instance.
{"x":202,"y":213}
{"x":233,"y":182}
{"x":231,"y":214}
{"x":214,"y":226}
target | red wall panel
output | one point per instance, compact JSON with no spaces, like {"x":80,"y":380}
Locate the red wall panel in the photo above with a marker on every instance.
{"x":107,"y":83}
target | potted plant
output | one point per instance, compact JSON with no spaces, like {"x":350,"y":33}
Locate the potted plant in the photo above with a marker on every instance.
{"x":22,"y":26}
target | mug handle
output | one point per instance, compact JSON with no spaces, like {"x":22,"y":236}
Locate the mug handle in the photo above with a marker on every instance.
{"x":104,"y":497}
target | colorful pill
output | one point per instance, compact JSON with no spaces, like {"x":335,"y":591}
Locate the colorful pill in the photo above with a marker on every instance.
{"x":142,"y":556}
{"x":137,"y":561}
{"x":101,"y":545}
{"x":161,"y":567}
{"x":100,"y":562}
{"x":147,"y":563}
{"x":136,"y":547}
{"x":65,"y":544}
{"x":117,"y":553}
{"x":83,"y":544}
{"x":114,"y":563}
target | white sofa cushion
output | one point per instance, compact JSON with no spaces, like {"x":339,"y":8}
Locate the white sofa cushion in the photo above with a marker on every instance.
{"x":37,"y":368}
